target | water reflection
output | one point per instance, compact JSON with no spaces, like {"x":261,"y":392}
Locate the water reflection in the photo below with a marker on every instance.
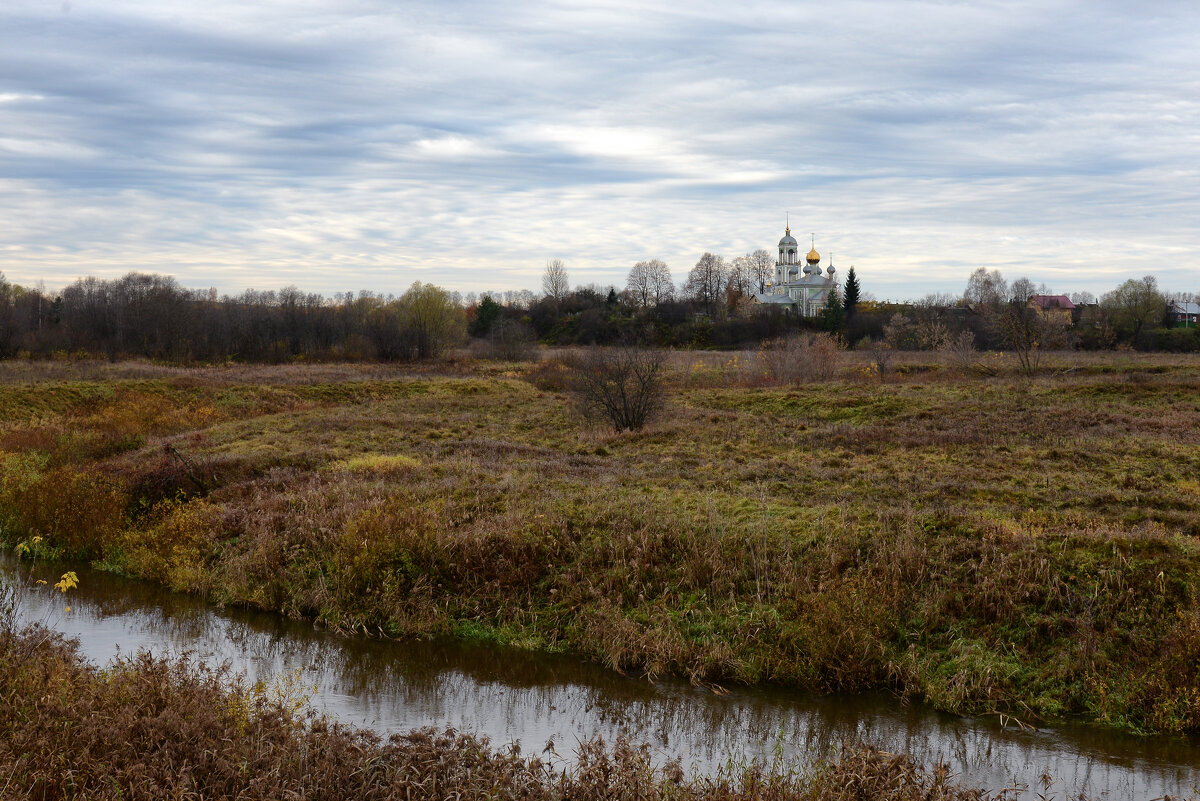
{"x":512,"y":695}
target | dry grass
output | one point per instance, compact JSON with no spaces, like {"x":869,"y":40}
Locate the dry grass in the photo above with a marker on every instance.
{"x":994,"y":544}
{"x":152,"y":728}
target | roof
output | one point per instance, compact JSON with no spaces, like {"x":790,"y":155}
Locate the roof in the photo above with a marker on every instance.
{"x":1052,"y":302}
{"x":1185,"y":307}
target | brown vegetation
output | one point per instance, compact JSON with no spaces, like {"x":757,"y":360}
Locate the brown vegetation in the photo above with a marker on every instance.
{"x":996,"y":544}
{"x":154,"y":728}
{"x":622,"y":385}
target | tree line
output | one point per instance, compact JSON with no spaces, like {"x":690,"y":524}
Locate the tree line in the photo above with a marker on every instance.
{"x":152,"y":316}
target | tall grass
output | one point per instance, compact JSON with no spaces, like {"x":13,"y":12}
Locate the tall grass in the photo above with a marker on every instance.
{"x":996,"y":545}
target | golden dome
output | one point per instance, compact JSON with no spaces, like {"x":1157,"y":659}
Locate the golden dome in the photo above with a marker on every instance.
{"x":813,"y":256}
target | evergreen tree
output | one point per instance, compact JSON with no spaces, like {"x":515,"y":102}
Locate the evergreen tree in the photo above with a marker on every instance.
{"x":833,"y":314}
{"x":485,"y":315}
{"x":850,"y":298}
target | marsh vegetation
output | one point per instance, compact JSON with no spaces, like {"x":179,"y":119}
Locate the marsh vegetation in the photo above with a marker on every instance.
{"x":145,"y":727}
{"x":991,"y":542}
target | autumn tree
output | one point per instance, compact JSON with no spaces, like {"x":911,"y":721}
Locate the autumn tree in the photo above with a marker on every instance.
{"x":1135,"y":307}
{"x":429,"y":320}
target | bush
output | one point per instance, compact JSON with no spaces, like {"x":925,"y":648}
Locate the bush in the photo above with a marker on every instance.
{"x":801,"y":358}
{"x":1177,"y":340}
{"x":623,"y":384}
{"x":510,"y":341}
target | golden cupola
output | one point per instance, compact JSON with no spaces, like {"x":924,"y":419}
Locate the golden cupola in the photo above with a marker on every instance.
{"x":813,"y":256}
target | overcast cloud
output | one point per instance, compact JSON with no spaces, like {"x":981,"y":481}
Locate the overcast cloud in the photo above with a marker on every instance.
{"x":355,"y":144}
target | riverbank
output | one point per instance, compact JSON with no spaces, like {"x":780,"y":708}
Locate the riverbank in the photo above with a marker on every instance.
{"x":991,"y":544}
{"x":147,"y":728}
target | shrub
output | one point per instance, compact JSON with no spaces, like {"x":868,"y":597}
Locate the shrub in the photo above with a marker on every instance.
{"x":961,"y":350}
{"x":801,"y":358}
{"x":510,"y":341}
{"x":73,"y":509}
{"x":623,"y":384}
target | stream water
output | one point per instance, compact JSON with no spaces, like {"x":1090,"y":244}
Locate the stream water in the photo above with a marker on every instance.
{"x":512,"y":695}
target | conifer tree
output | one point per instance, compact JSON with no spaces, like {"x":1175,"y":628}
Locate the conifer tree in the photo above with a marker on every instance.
{"x":850,"y":298}
{"x":833,"y":313}
{"x":486,"y":314}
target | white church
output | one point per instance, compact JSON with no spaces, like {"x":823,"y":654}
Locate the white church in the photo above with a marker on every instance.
{"x":798,"y":289}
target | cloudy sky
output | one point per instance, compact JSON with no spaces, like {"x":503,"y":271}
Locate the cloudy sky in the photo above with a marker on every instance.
{"x":362,"y":144}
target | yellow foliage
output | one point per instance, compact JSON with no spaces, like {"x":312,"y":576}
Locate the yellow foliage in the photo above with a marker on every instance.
{"x":69,"y":581}
{"x":172,"y":548}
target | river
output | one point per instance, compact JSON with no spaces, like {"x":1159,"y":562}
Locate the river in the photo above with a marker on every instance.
{"x":514,"y":695}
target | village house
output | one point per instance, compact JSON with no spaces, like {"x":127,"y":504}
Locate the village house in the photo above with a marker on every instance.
{"x":1183,"y":314}
{"x":1057,"y":308}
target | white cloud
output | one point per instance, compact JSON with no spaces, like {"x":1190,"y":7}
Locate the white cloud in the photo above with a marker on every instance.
{"x":366,"y":144}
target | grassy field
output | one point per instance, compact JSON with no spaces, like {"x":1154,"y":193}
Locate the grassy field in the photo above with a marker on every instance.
{"x":994,"y":544}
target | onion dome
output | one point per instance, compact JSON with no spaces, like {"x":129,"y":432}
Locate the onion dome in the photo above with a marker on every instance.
{"x":788,"y":239}
{"x":813,"y":256}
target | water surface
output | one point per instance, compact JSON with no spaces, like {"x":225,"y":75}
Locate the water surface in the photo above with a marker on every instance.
{"x":513,"y":695}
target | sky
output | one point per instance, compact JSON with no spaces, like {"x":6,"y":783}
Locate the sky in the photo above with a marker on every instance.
{"x":361,"y":144}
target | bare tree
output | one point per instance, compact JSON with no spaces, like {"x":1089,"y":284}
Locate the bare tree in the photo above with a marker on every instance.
{"x":762,"y":267}
{"x":554,"y":281}
{"x":649,"y":283}
{"x":898,"y":334}
{"x":623,"y":384}
{"x":1028,"y":332}
{"x":882,"y":355}
{"x":985,"y":289}
{"x":740,"y":282}
{"x":1022,"y":291}
{"x":510,"y":340}
{"x":707,"y":280}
